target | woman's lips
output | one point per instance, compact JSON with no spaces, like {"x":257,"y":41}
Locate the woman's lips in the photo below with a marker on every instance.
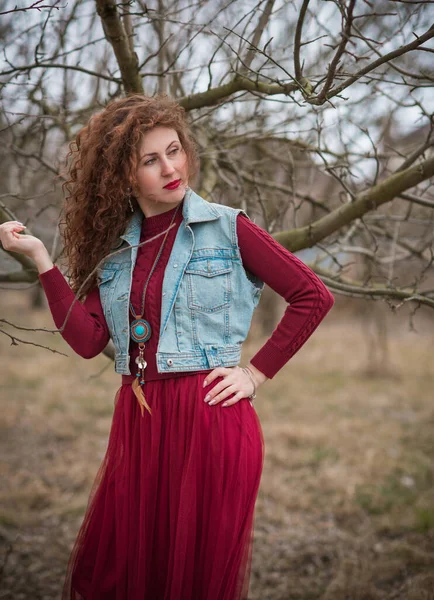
{"x":173,"y":185}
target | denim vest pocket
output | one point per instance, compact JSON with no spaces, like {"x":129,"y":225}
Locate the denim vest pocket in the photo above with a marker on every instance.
{"x":106,"y":275}
{"x":209,"y":283}
{"x":103,"y":277}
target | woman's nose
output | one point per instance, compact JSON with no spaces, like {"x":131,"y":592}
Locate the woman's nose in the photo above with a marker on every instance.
{"x":167,"y":167}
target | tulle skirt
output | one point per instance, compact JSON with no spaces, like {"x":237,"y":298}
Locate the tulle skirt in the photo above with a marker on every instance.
{"x":170,"y":515}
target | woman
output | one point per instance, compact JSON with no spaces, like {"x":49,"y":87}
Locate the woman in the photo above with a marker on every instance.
{"x":173,"y":280}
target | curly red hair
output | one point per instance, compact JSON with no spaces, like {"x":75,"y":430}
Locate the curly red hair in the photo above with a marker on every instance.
{"x":103,"y":162}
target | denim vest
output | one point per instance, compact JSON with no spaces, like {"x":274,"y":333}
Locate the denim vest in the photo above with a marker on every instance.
{"x":208,"y":298}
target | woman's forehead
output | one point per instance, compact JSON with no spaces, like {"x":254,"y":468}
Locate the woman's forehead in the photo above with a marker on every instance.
{"x":158,"y":139}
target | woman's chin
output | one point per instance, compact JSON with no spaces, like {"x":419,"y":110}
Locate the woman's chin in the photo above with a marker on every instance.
{"x":177,"y":194}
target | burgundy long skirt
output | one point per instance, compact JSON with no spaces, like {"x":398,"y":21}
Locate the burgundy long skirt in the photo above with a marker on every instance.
{"x":170,"y":515}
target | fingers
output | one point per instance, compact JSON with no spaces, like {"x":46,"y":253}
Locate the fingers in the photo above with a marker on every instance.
{"x":10,"y":225}
{"x":9,"y":233}
{"x":222,"y":372}
{"x":218,"y":372}
{"x":221,"y":385}
{"x":16,"y":229}
{"x":239,"y":396}
{"x":233,"y":384}
{"x":230,"y":389}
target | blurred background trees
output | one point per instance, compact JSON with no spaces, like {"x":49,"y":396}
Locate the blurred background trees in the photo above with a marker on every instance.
{"x":316,"y":117}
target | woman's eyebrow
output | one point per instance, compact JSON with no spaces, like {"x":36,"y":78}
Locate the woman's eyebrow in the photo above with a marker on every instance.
{"x":154,"y":153}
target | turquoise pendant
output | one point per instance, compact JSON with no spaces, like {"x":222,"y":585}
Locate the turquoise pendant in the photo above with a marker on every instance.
{"x":140,"y":330}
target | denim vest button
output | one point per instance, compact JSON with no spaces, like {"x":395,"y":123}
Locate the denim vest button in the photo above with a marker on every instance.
{"x":169,"y":362}
{"x":174,"y":266}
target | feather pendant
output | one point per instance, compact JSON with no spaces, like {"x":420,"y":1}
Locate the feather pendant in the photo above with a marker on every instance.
{"x":138,"y":392}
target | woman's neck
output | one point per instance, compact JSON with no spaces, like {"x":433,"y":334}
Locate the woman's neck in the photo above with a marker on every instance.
{"x":158,"y":209}
{"x":160,"y":221}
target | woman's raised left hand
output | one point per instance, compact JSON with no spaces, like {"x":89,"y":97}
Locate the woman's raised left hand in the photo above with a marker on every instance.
{"x":235,"y":381}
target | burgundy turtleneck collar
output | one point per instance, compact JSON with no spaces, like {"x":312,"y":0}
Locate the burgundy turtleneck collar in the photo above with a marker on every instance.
{"x":159,"y":222}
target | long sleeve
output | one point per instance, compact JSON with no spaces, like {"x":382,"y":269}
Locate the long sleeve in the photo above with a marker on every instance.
{"x":86,"y":329}
{"x":308,"y":298}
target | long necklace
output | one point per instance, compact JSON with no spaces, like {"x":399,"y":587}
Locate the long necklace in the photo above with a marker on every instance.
{"x":140,"y":328}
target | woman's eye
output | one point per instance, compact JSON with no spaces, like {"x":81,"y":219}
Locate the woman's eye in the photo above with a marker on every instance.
{"x":174,"y":151}
{"x":150,"y":161}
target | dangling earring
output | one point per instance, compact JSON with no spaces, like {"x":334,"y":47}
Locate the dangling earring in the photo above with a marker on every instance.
{"x":129,"y":190}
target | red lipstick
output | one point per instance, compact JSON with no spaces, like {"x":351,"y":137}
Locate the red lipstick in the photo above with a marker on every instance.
{"x":173,"y":185}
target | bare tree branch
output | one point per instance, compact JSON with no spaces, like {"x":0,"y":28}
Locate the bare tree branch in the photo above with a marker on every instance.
{"x":372,"y":66}
{"x":65,"y":67}
{"x":262,"y":23}
{"x":240,"y":83}
{"x":118,"y":37}
{"x":297,"y":43}
{"x":35,"y":6}
{"x":346,"y":33}
{"x":358,"y":289}
{"x":306,"y":237}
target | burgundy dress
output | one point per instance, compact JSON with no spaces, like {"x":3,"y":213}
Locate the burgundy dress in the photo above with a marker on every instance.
{"x":170,"y":515}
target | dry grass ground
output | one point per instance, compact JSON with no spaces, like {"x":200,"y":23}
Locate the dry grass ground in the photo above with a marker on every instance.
{"x":345,"y":509}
